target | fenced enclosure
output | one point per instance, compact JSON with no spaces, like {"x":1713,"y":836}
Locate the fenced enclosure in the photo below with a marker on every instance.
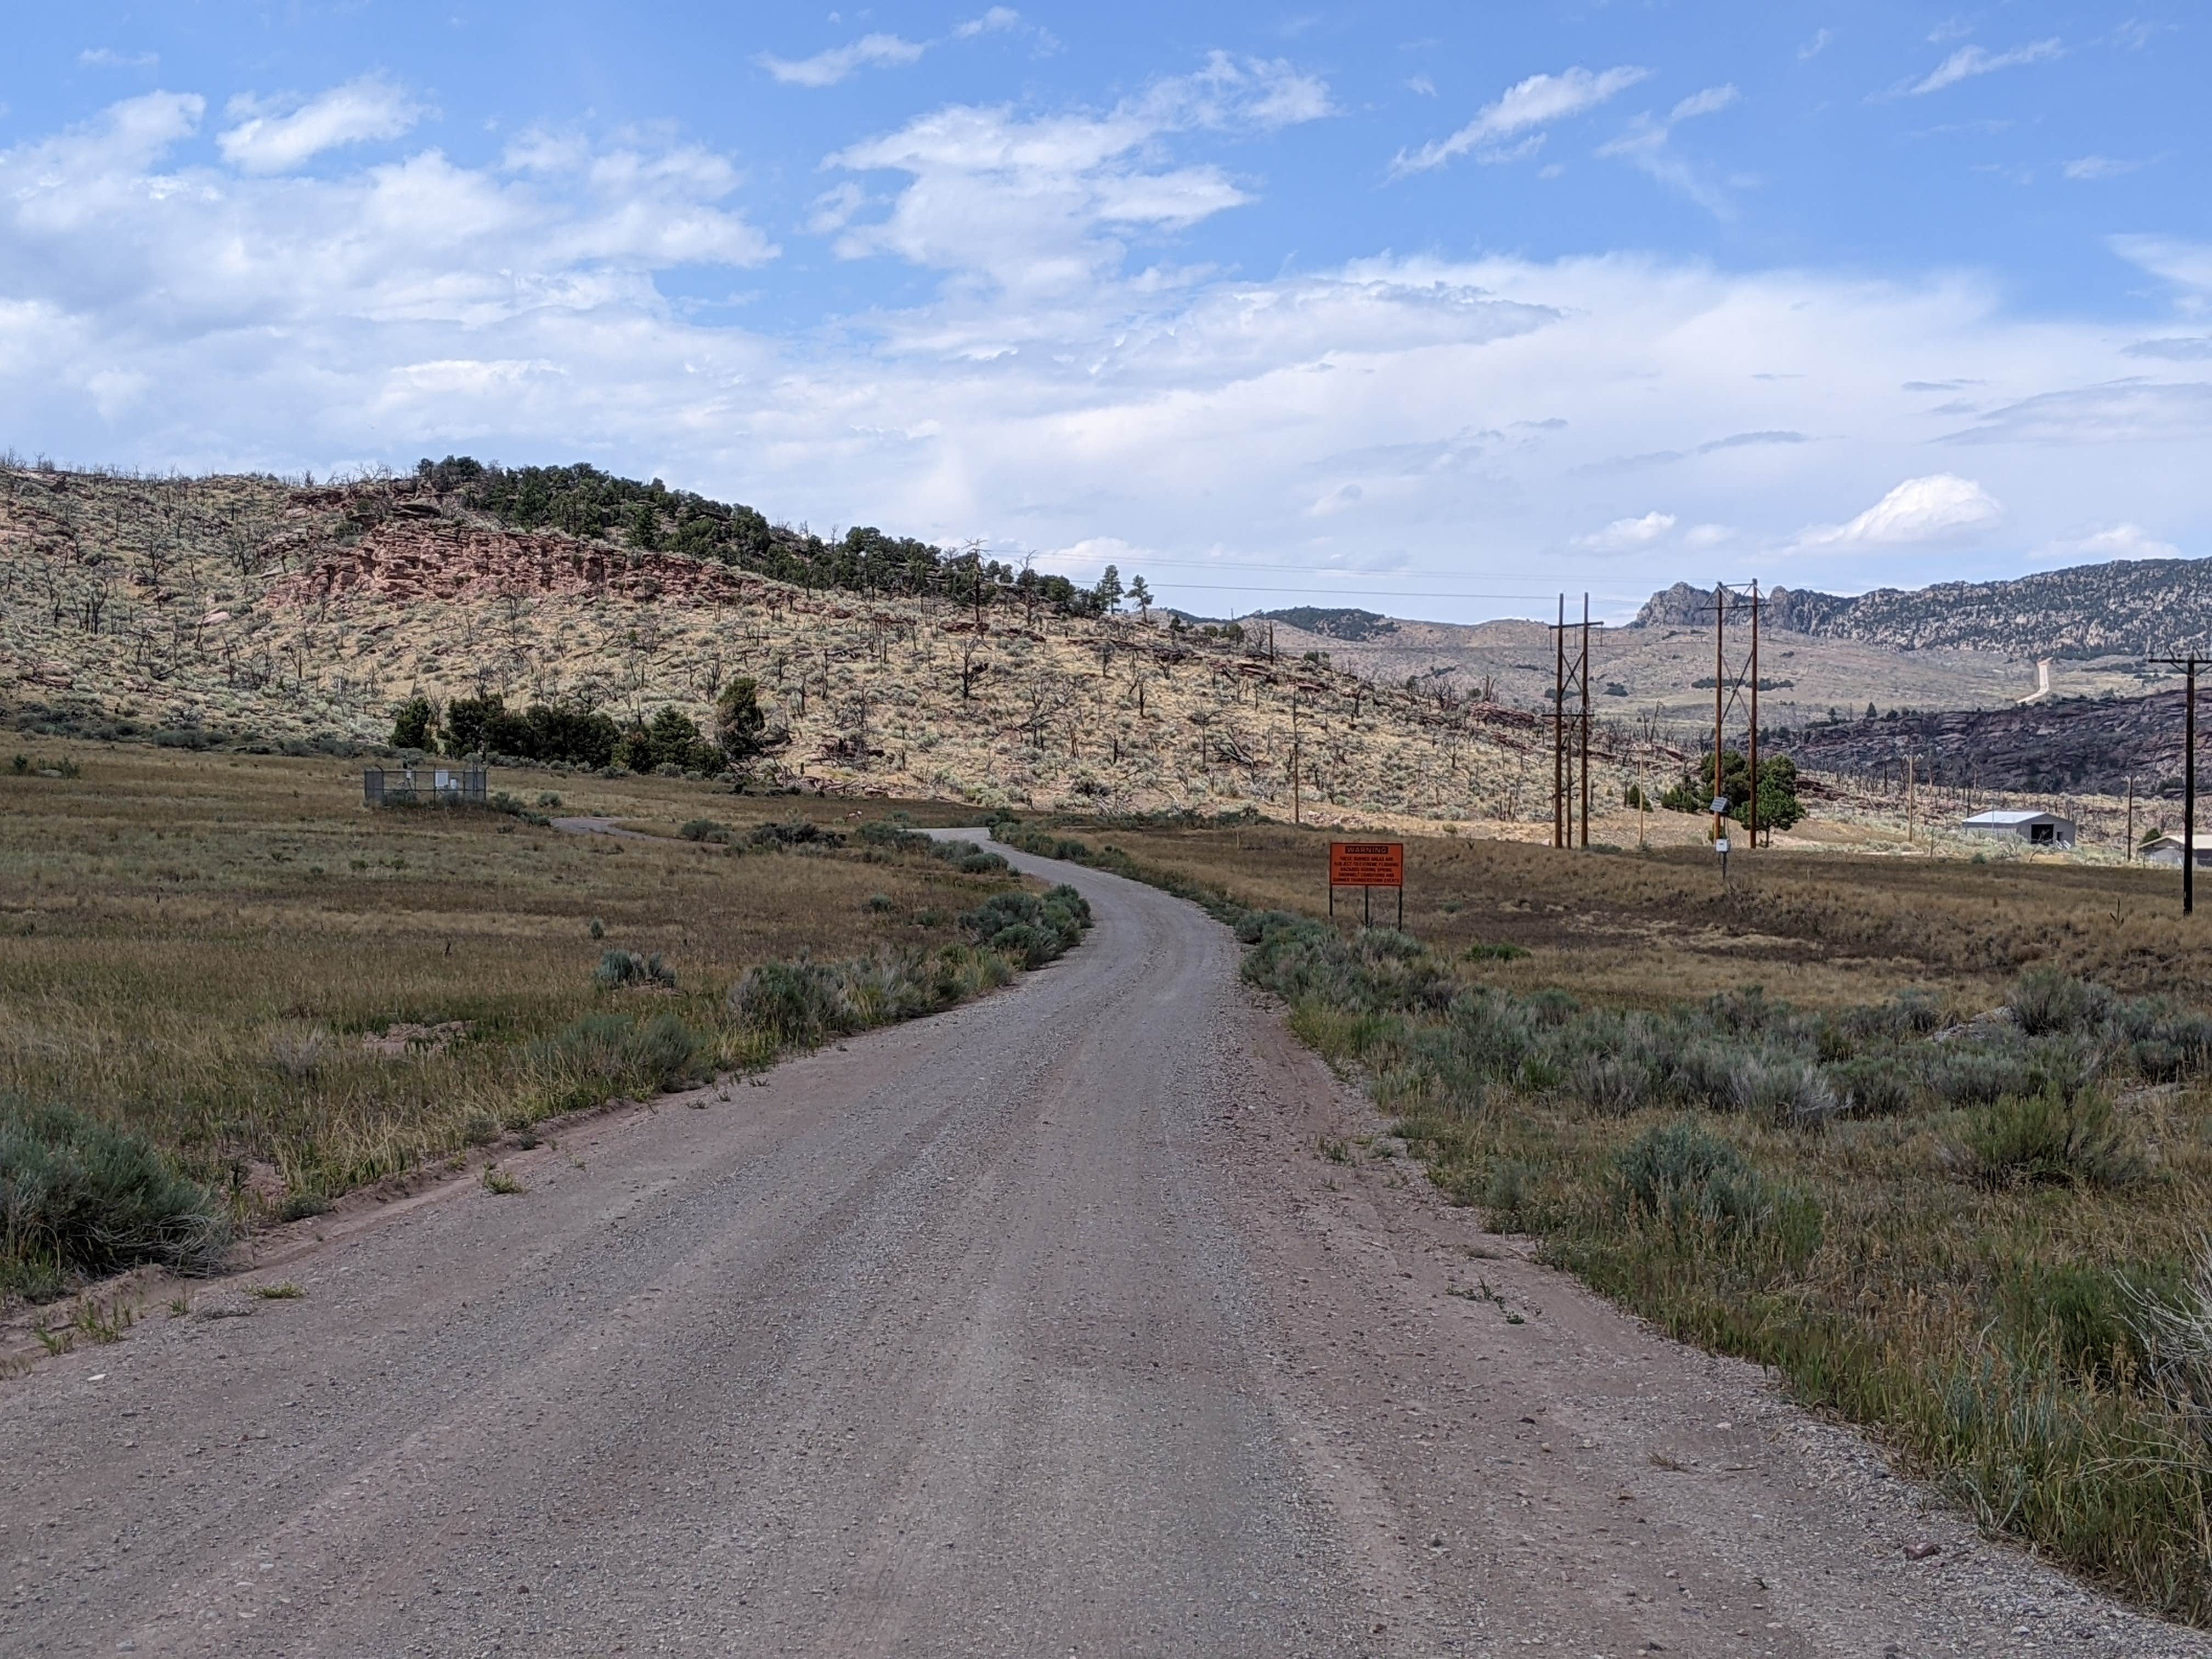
{"x":426,"y":786}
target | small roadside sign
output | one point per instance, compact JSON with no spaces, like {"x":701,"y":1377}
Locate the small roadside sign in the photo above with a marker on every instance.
{"x":1367,"y":865}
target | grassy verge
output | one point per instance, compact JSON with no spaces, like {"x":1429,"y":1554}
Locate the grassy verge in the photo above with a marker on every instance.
{"x":228,"y":992}
{"x":1971,"y":1217}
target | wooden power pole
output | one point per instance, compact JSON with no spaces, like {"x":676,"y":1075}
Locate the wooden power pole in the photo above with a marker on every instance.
{"x":2188,"y":780}
{"x":1559,"y":728}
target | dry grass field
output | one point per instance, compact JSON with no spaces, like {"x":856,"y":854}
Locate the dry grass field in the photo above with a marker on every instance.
{"x":1931,"y":1138}
{"x":1644,"y":929}
{"x":232,"y":957}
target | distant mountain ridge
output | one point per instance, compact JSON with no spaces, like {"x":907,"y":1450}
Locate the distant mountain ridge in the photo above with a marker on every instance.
{"x":2125,"y":607}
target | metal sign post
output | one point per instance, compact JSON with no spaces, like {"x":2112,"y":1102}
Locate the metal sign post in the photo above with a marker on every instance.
{"x":1367,"y":865}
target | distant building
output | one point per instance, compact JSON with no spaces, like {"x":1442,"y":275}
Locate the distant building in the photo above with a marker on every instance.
{"x":2037,"y":829}
{"x":2167,"y":850}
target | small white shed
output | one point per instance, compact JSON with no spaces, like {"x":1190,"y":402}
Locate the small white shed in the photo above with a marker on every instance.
{"x":2037,"y":829}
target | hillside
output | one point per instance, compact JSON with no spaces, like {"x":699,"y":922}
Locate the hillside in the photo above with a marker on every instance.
{"x":1634,"y":669}
{"x":2125,"y":608}
{"x":240,"y":609}
{"x":2073,"y":745}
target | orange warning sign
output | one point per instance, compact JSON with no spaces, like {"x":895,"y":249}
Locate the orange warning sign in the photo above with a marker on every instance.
{"x":1367,"y":864}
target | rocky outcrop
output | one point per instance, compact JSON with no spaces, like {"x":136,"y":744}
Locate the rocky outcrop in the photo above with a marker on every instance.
{"x":2127,"y":608}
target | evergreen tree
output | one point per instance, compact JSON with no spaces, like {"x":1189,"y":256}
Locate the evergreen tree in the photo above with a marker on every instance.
{"x":411,"y":724}
{"x":740,"y":725}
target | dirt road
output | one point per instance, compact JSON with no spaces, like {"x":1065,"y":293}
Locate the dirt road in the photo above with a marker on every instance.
{"x":1039,"y":1328}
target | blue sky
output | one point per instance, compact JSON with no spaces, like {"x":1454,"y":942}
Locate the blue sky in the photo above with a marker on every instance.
{"x":1430,"y":308}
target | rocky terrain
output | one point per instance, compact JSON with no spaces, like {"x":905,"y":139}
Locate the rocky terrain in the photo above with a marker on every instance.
{"x":2124,"y":608}
{"x":1634,"y":670}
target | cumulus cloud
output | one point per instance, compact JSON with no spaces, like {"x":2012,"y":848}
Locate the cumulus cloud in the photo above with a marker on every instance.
{"x":1625,"y":535}
{"x":1063,"y":381}
{"x":1531,"y":104}
{"x":279,"y":134}
{"x":827,"y":69}
{"x":1970,"y":61}
{"x":1044,"y":203}
{"x":1941,"y":508}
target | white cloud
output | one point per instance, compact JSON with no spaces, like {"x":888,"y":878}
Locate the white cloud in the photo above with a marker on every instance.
{"x":1626,"y":535}
{"x":1710,"y":101}
{"x":1970,"y":61}
{"x":998,"y":18}
{"x":1533,"y":103}
{"x":1644,"y":145}
{"x":1054,"y":389}
{"x":360,"y":112}
{"x":827,"y":69}
{"x":1042,"y":204}
{"x":1941,"y":508}
{"x":2098,"y":546}
{"x":2187,"y":265}
{"x":1822,"y":39}
{"x":103,"y":57}
{"x":834,"y":208}
{"x":2088,"y":168}
{"x":1422,"y":85}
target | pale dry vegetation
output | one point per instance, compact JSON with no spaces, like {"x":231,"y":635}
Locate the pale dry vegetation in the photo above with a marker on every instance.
{"x":285,"y":993}
{"x":229,"y":610}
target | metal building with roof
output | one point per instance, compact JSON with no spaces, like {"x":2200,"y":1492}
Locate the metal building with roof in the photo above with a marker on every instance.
{"x":2037,"y":829}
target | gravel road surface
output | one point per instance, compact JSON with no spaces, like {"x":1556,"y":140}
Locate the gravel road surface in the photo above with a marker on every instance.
{"x":1039,"y":1328}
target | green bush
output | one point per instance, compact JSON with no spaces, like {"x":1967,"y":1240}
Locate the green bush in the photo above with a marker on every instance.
{"x":1481,"y":953}
{"x":1032,"y":930}
{"x":796,"y":1004}
{"x":1683,"y":1175}
{"x":2048,"y":1139}
{"x":1875,"y":1085}
{"x":800,"y":832}
{"x":619,"y":969}
{"x":802,"y":1005}
{"x":606,"y":1053}
{"x":2046,"y":1000}
{"x":706,"y":829}
{"x":78,"y":1196}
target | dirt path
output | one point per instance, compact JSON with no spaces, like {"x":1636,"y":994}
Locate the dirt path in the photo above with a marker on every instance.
{"x":1034,"y":1329}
